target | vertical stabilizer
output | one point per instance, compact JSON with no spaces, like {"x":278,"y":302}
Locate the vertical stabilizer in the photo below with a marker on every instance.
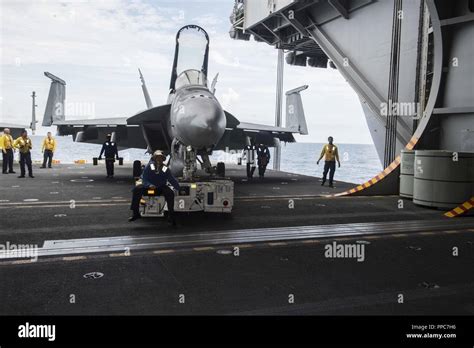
{"x":55,"y":105}
{"x":295,"y":118}
{"x":213,"y":85}
{"x":149,"y":104}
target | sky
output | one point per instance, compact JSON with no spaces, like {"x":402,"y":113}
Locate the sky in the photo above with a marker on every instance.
{"x":96,"y":46}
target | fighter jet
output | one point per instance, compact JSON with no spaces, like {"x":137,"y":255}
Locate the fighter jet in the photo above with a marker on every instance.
{"x":190,"y":125}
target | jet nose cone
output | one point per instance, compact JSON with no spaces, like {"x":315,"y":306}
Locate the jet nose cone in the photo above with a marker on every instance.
{"x":202,"y":121}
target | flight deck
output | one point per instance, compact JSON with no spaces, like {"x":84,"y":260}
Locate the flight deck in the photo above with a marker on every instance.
{"x":272,"y":245}
{"x":77,"y":201}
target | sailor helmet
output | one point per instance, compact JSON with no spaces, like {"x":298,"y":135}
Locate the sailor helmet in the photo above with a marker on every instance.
{"x":159,"y":153}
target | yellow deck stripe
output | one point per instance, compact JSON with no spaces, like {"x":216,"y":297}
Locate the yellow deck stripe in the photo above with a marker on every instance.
{"x":21,"y":262}
{"x":74,"y":258}
{"x":203,"y":248}
{"x":165,"y":251}
{"x":399,"y":235}
{"x":119,"y":254}
{"x":311,"y":241}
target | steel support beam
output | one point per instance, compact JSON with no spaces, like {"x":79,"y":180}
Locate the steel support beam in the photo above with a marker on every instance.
{"x":279,"y":106}
{"x":457,"y":20}
{"x":340,"y":6}
{"x":362,"y":87}
{"x":33,"y":114}
{"x":454,"y":110}
{"x":291,"y":18}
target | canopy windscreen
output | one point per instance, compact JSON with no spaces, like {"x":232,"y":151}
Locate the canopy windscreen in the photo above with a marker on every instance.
{"x":192,"y":45}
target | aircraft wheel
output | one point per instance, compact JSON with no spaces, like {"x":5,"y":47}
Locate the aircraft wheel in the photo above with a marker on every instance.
{"x":220,"y":169}
{"x":137,"y":169}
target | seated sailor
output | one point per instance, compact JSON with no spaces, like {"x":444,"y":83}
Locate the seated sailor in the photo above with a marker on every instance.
{"x":156,"y":175}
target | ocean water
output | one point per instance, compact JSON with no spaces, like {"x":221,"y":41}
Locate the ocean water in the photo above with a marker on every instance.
{"x":359,"y":162}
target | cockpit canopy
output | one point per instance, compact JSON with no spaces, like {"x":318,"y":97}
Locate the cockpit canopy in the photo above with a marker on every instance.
{"x":190,"y":57}
{"x":191,"y":77}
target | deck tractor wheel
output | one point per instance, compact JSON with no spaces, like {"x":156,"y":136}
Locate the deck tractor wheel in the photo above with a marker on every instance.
{"x":137,"y":169}
{"x":220,"y":169}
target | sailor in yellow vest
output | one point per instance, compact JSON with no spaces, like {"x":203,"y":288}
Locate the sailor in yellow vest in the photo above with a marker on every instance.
{"x":6,"y":145}
{"x":48,"y":149}
{"x":24,"y":145}
{"x":331,"y":155}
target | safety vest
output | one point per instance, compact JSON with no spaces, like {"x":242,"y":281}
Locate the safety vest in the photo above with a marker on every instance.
{"x":6,"y":141}
{"x":24,"y":145}
{"x":49,"y":144}
{"x":330,"y":152}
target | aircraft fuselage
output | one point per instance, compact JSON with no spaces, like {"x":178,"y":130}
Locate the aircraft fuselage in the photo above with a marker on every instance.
{"x":196,"y":117}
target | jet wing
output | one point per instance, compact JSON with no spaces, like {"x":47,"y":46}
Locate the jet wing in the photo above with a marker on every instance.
{"x":94,"y":131}
{"x":119,"y":121}
{"x":236,"y":138}
{"x":254,"y":127}
{"x":128,"y":132}
{"x":237,"y":133}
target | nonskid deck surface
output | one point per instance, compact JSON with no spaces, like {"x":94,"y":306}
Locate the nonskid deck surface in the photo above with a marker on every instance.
{"x":78,"y":202}
{"x":281,"y":227}
{"x":260,"y":280}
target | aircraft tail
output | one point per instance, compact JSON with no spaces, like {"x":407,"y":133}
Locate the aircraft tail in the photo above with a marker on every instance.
{"x":55,"y":105}
{"x":295,"y":118}
{"x":148,"y":102}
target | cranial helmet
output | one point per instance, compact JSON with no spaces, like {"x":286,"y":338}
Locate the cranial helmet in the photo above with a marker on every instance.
{"x":158,"y":153}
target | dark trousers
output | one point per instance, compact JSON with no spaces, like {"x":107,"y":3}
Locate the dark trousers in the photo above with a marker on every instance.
{"x":261,"y":169}
{"x":109,"y":166}
{"x":329,"y":166}
{"x":250,"y":170}
{"x":8,"y":161}
{"x":25,"y":159}
{"x":165,"y":191}
{"x":48,"y":156}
